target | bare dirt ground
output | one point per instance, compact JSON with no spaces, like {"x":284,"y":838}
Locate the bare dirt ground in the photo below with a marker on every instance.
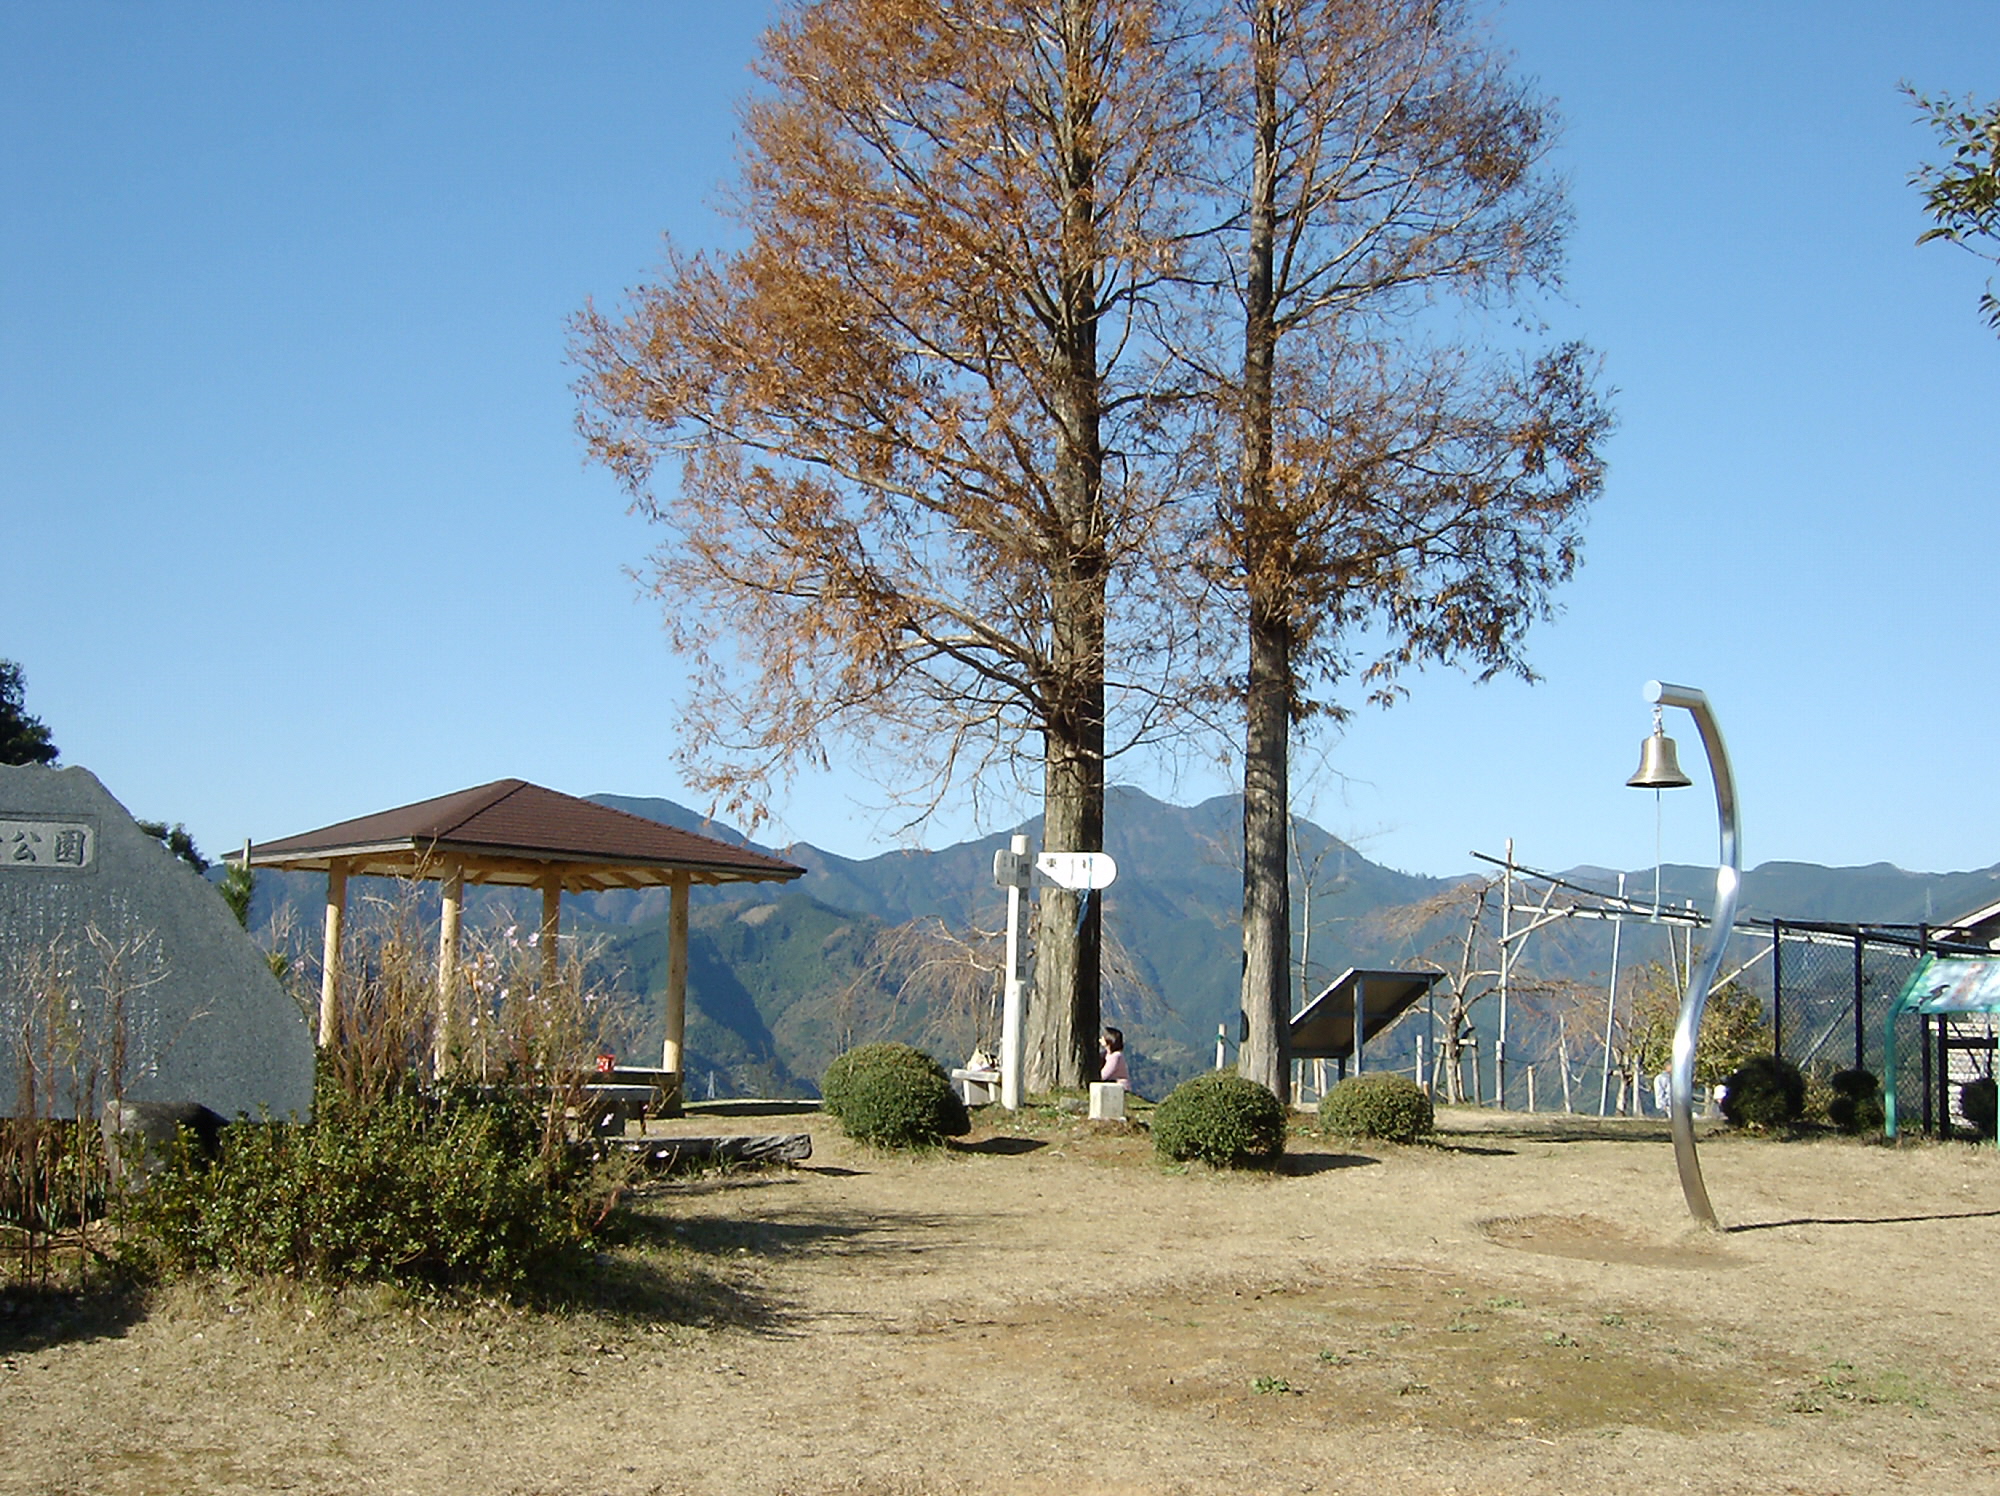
{"x":1520,"y":1308}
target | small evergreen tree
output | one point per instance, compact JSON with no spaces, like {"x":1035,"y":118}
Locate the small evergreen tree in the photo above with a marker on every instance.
{"x":23,"y":739}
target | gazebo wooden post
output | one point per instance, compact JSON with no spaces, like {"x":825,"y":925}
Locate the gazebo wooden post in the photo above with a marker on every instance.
{"x":329,"y":966}
{"x":552,"y":892}
{"x":677,"y":976}
{"x":448,"y":925}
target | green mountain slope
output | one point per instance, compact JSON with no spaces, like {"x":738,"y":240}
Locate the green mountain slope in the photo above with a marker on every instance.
{"x":781,"y":978}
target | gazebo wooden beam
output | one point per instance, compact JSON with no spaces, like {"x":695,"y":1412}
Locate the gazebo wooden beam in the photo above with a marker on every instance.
{"x":329,"y":972}
{"x":552,"y":892}
{"x":447,"y":985}
{"x":673,"y":1047}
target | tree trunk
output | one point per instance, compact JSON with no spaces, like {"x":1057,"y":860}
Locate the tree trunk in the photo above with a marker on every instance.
{"x":1267,"y":903}
{"x":1063,"y":1018}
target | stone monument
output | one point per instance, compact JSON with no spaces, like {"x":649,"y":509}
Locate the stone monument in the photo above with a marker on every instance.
{"x":123,"y":974}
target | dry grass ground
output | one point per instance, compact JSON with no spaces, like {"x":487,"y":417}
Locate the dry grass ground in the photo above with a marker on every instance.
{"x":1518,"y":1309}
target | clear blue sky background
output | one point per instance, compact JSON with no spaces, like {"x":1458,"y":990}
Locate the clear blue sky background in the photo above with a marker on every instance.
{"x":294,"y":525}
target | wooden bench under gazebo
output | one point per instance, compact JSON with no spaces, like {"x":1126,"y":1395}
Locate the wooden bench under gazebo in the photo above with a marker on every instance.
{"x":512,"y":833}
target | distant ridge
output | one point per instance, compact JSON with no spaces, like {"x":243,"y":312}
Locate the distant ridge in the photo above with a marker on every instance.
{"x":780,"y":977}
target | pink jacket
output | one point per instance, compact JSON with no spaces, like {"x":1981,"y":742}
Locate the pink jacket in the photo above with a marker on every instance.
{"x":1115,"y":1069}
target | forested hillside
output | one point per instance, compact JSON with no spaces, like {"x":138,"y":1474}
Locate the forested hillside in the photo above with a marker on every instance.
{"x":905,"y":945}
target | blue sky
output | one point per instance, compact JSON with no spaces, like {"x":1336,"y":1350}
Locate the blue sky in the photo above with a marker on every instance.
{"x":294,"y":524}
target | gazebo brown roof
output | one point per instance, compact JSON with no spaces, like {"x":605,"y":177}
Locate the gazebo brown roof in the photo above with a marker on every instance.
{"x":513,"y":832}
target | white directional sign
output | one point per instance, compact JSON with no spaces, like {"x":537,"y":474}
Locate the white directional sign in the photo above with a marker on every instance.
{"x":1078,"y":870}
{"x":1012,"y":869}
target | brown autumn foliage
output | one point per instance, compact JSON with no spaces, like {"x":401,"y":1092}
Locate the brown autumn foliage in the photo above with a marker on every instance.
{"x":1383,"y":473}
{"x":919,"y":474}
{"x":1064,"y":333}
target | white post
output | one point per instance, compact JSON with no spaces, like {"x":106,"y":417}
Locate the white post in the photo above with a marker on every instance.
{"x":1506,"y":965}
{"x":1611,"y":1002}
{"x":1014,"y":1003}
{"x":1221,"y":1044}
{"x":1562,"y":1044}
{"x":1360,"y":1015}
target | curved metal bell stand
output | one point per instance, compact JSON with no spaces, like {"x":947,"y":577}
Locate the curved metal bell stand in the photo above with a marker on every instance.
{"x":1728,"y":881}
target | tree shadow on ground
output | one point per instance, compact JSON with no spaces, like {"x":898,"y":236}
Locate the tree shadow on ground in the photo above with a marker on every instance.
{"x":702,"y":1224}
{"x":1301,"y":1165}
{"x":778,"y":1107}
{"x":687,"y":1258}
{"x":1000,"y":1146}
{"x":653,"y":1288}
{"x":34,"y":1319}
{"x":1474,"y":1150}
{"x":1898,"y":1220}
{"x":1556,"y":1127}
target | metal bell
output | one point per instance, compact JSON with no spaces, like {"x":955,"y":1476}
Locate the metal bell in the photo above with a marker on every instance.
{"x":1658,"y":768}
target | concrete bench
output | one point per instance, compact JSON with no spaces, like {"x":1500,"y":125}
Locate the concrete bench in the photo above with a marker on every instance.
{"x":977,"y":1087}
{"x":622,"y":1105}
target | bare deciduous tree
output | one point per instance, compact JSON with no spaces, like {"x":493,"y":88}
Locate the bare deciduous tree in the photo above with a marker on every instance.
{"x":1465,"y":953}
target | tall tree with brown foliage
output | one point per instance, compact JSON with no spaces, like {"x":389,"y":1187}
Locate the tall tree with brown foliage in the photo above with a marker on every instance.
{"x":1395,"y":488}
{"x":922,"y":476}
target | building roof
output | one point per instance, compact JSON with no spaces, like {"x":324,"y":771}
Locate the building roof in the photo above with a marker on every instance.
{"x":1979,"y":926}
{"x":511,"y":831}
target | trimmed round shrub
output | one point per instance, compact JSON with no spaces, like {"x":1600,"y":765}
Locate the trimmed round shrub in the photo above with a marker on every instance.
{"x":1856,"y":1103}
{"x":1768,"y":1092}
{"x":893,"y":1096}
{"x":1221,"y":1118}
{"x":1979,"y":1100}
{"x":1393,"y":1108}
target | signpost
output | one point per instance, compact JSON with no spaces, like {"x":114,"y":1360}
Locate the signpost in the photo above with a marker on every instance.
{"x":1014,"y":870}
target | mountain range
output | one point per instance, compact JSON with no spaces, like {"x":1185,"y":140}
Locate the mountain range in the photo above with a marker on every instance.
{"x":782,"y":976}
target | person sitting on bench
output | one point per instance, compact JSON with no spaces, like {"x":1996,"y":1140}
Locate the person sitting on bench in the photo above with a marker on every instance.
{"x":1113,"y":1045}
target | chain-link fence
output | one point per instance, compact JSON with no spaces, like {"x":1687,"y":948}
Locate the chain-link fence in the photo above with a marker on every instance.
{"x":1832,"y":986}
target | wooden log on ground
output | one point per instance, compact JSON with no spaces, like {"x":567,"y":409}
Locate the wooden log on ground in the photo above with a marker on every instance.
{"x":672,"y":1153}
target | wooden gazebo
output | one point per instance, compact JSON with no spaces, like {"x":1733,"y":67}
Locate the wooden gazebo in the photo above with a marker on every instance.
{"x":517,"y":834}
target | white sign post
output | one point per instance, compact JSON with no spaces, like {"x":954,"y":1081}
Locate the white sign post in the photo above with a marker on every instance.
{"x":1012,"y":870}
